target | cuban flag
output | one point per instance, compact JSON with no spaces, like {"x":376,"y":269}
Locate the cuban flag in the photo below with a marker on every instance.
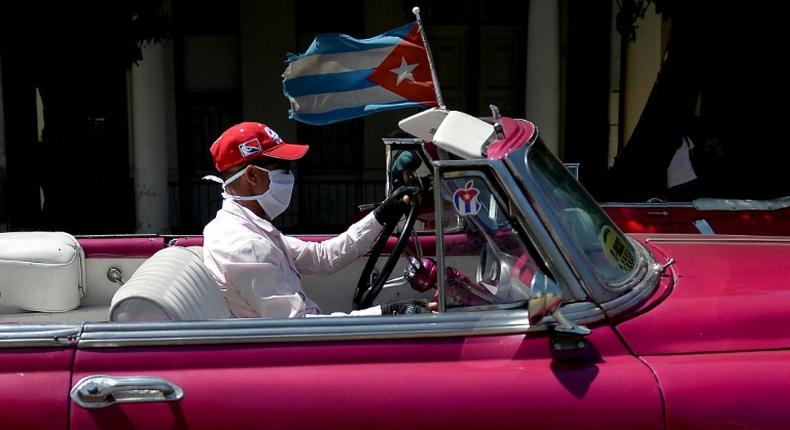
{"x":340,"y":77}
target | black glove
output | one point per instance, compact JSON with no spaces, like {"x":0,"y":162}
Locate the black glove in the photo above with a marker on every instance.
{"x":408,"y":307}
{"x":393,"y":207}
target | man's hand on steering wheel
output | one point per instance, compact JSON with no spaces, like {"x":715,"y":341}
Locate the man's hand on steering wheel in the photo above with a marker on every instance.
{"x":387,"y":214}
{"x":394,"y":206}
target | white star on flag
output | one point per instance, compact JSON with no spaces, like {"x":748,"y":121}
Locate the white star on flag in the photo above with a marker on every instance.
{"x":404,"y":71}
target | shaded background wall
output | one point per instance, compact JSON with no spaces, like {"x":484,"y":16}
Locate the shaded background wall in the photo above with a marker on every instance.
{"x":92,"y":142}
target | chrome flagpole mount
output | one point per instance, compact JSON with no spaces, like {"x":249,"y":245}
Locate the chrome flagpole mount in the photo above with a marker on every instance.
{"x":439,"y":99}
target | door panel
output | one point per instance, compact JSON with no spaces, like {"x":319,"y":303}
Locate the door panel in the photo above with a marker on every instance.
{"x":473,"y":382}
{"x":35,"y":385}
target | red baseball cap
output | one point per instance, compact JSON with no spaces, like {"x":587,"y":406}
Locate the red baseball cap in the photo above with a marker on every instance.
{"x":247,"y":141}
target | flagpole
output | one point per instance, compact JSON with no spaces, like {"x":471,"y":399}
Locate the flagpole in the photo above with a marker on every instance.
{"x":416,"y":11}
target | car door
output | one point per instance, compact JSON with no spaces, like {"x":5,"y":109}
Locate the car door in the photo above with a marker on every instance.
{"x":35,"y":370}
{"x":454,"y":370}
{"x":473,"y":365}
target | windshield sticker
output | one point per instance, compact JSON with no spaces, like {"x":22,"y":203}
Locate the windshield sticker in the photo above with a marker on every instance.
{"x":465,"y":199}
{"x":617,"y":249}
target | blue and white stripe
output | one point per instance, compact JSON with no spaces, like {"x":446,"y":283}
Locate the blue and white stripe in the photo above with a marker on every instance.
{"x":329,"y":82}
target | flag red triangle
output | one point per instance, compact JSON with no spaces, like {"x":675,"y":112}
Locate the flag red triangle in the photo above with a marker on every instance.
{"x":407,"y":63}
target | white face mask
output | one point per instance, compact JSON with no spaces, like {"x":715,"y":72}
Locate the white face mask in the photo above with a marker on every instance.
{"x":275,"y":200}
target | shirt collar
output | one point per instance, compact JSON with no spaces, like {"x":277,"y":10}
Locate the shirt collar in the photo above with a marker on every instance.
{"x":234,"y":208}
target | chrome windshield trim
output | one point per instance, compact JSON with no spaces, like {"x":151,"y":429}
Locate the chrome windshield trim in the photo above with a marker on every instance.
{"x":324,"y":329}
{"x":38,"y":335}
{"x":643,"y":262}
{"x":439,"y":215}
{"x":579,"y":313}
{"x":583,"y":312}
{"x":639,"y":293}
{"x":594,"y":286}
{"x":582,"y":272}
{"x":547,"y":248}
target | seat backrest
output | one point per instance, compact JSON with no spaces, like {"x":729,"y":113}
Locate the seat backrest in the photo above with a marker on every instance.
{"x":173,"y":284}
{"x":41,"y":271}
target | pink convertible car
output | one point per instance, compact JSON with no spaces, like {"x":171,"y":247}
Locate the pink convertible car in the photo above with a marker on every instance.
{"x":549,"y":317}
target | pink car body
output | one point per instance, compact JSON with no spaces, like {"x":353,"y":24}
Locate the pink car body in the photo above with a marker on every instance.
{"x":698,"y":341}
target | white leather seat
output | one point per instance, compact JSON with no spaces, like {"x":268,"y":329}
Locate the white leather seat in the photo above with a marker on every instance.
{"x":171,"y":285}
{"x":41,"y":271}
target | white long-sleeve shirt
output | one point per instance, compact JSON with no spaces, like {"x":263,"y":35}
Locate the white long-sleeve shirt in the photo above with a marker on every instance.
{"x":258,"y":268}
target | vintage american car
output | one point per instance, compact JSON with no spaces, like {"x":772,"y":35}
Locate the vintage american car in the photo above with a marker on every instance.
{"x":548,"y":317}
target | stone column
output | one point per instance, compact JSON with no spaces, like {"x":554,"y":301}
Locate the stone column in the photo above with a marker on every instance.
{"x":3,"y":220}
{"x":643,"y":62}
{"x":543,"y":70}
{"x":2,"y":126}
{"x":152,"y":106}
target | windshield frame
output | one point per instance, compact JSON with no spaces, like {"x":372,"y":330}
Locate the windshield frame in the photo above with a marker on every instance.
{"x":597,"y":288}
{"x":526,"y":222}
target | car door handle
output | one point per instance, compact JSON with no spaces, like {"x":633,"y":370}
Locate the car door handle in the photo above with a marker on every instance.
{"x":658,"y":213}
{"x":99,"y":391}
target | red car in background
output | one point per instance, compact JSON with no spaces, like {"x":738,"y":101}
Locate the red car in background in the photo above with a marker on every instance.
{"x":704,"y":216}
{"x":549,"y":316}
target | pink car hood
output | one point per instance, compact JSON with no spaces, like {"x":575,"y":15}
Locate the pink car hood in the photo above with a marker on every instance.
{"x":731,"y":293}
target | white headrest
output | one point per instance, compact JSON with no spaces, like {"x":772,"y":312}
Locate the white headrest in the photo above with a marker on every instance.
{"x":171,"y":285}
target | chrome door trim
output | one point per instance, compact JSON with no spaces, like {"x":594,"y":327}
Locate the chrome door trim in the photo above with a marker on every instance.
{"x":719,"y":238}
{"x":645,"y":205}
{"x":38,"y":335}
{"x":323,"y":329}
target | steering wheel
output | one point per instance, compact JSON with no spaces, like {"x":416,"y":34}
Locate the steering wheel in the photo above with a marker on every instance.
{"x":367,"y":291}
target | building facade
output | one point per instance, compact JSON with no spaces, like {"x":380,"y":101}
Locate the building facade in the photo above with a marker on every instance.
{"x":130,"y":155}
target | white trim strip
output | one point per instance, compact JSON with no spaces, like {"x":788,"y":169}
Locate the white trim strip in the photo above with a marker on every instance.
{"x":337,"y":63}
{"x":327,"y":102}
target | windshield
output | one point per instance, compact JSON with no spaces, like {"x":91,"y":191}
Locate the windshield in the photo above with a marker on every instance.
{"x":609,"y":251}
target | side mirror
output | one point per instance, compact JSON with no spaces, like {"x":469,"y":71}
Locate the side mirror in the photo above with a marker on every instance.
{"x":545,"y":297}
